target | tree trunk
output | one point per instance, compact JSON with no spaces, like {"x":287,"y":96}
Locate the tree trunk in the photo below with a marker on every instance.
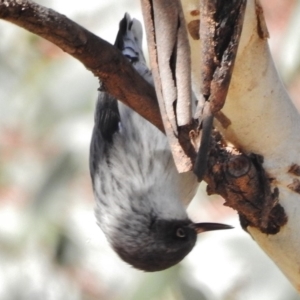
{"x":263,"y":121}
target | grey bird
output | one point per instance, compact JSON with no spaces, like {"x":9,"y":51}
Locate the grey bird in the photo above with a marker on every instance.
{"x":140,"y":197}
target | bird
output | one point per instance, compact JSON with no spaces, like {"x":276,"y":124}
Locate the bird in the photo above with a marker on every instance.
{"x":140,"y":197}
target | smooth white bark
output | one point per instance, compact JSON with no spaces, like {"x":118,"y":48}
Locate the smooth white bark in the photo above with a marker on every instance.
{"x":263,"y":121}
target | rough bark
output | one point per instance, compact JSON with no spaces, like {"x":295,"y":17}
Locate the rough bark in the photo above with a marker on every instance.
{"x":262,"y":120}
{"x":257,"y":117}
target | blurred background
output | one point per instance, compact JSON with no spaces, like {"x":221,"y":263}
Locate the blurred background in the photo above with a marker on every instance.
{"x":50,"y":245}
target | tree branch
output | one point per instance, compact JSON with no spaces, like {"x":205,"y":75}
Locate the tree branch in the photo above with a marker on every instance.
{"x":123,"y":82}
{"x":268,"y":128}
{"x":105,"y":61}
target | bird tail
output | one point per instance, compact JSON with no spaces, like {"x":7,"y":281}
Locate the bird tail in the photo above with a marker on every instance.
{"x":129,"y":42}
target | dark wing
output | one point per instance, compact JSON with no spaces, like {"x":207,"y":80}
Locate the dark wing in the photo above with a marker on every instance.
{"x":107,"y":116}
{"x":107,"y":119}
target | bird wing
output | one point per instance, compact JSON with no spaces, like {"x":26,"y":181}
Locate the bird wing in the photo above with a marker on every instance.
{"x":107,"y":115}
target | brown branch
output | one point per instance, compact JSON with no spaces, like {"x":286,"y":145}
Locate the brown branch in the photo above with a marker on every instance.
{"x":106,"y":62}
{"x":240,"y":179}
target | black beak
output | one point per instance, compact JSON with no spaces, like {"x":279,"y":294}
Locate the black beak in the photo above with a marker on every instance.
{"x":202,"y":227}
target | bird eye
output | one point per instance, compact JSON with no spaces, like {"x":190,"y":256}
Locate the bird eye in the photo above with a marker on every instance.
{"x":180,"y":232}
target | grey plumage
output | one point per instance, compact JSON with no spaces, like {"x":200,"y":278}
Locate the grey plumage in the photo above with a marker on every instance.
{"x":140,"y":197}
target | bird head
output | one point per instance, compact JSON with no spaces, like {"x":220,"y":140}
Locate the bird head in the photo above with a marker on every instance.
{"x":161,"y":244}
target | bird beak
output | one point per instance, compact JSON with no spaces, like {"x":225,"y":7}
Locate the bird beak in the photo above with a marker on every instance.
{"x":202,"y":227}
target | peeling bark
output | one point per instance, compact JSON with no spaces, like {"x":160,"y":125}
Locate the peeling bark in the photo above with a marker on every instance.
{"x":265,"y":193}
{"x":263,"y":121}
{"x":220,"y":29}
{"x":170,"y":64}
